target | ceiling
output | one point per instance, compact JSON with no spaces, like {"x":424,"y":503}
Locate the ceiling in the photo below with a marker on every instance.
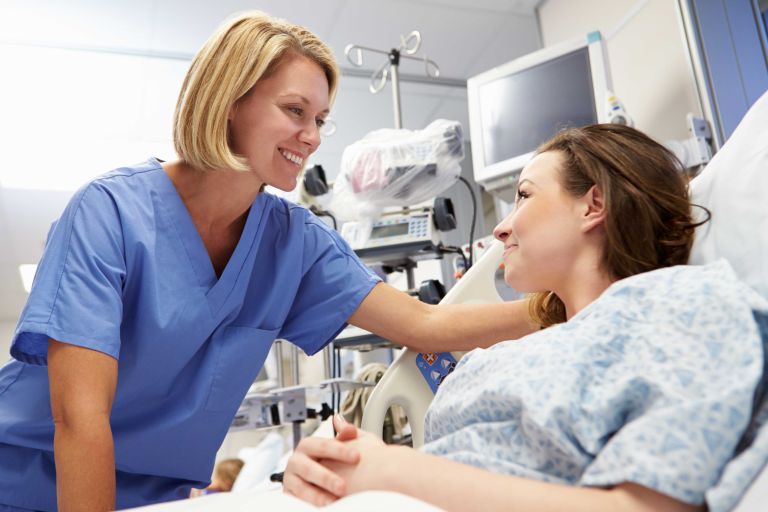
{"x":464,"y":37}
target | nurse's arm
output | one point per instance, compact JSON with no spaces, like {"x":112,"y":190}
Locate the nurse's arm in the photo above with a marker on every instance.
{"x":82,"y":385}
{"x":407,"y":321}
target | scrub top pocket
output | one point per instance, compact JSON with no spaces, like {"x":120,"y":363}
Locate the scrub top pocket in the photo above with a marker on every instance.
{"x":241,"y":352}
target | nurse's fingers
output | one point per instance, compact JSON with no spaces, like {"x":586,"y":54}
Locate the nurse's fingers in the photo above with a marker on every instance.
{"x":307,"y":479}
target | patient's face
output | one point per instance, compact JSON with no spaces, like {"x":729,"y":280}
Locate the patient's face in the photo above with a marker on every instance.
{"x":542,"y":235}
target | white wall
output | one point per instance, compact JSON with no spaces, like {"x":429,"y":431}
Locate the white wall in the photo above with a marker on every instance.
{"x":648,"y":58}
{"x":6,"y":332}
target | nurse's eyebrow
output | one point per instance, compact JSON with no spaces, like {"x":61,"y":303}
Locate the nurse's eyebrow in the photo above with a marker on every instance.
{"x":303,"y":100}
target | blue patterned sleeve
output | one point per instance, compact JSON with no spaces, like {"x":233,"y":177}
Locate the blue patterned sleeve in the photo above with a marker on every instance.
{"x":676,"y":410}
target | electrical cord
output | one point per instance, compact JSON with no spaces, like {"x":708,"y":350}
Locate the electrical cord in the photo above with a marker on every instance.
{"x":474,"y":219}
{"x":324,"y":213}
{"x":450,"y":249}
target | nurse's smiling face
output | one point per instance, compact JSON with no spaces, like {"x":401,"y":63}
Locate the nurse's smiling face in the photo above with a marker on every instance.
{"x":542,"y":236}
{"x":276,"y":125}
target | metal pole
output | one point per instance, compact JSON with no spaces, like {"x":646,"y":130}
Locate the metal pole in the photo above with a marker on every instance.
{"x":394,"y":59}
{"x":396,"y":98}
{"x":327,"y":355}
{"x":295,"y":364}
{"x":410,"y":280}
{"x":296,"y":433}
{"x":279,"y":356}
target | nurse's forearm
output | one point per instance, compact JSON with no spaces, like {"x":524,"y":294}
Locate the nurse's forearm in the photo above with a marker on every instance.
{"x":82,"y":388}
{"x":468,"y":326}
{"x":85,"y":466}
{"x":405,"y":320}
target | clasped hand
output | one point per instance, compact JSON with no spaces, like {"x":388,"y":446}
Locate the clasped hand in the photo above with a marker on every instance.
{"x":321,"y":470}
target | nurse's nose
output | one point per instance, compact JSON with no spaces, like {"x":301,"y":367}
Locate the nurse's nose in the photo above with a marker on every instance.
{"x":310,"y":135}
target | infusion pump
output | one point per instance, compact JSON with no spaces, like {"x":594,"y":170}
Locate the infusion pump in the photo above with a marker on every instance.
{"x":395,"y":231}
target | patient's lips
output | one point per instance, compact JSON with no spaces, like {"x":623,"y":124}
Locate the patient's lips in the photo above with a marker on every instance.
{"x":508,"y":248}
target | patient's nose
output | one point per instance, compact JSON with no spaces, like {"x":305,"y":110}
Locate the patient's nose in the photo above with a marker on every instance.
{"x":501,"y":232}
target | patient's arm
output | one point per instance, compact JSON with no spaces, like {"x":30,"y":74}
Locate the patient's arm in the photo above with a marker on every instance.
{"x":405,"y":320}
{"x":454,"y":486}
{"x":451,"y":485}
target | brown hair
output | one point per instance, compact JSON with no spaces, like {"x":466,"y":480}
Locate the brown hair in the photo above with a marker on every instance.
{"x":239,"y":54}
{"x":227,"y":470}
{"x":648,"y":223}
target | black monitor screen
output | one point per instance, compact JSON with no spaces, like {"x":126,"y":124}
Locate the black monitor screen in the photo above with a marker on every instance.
{"x":522,"y":110}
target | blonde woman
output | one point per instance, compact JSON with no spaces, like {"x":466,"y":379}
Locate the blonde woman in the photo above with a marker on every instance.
{"x":163,"y":285}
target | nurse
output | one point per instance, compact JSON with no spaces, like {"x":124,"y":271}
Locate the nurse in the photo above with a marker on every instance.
{"x":163,"y":285}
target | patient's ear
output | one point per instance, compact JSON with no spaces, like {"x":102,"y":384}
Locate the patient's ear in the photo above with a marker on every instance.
{"x":593,"y":209}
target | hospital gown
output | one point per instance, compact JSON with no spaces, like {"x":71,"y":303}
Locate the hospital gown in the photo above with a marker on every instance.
{"x":652,"y":383}
{"x":126,"y":273}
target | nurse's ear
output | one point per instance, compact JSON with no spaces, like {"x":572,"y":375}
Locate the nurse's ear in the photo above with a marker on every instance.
{"x":233,"y":109}
{"x":593,"y":209}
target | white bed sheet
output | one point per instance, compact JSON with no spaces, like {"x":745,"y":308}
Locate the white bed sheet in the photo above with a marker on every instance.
{"x":370,"y":501}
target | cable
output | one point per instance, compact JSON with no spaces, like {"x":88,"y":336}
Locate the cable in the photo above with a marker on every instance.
{"x":323,"y":213}
{"x":474,"y":218}
{"x":455,"y":250}
{"x":626,"y":19}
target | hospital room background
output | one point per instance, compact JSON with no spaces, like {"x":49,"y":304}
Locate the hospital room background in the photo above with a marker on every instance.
{"x":89,"y":85}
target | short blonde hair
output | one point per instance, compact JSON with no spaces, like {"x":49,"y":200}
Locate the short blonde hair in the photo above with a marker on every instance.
{"x":226,"y":472}
{"x":235,"y":57}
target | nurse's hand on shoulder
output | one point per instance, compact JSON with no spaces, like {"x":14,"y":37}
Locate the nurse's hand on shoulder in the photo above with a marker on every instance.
{"x":306,"y":478}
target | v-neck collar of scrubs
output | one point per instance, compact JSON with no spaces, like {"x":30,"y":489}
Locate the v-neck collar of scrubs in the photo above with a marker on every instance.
{"x":218,"y":288}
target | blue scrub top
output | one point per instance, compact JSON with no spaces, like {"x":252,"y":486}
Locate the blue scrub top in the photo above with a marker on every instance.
{"x":126,"y":273}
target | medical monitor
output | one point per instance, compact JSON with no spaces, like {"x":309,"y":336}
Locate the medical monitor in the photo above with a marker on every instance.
{"x":519,"y":105}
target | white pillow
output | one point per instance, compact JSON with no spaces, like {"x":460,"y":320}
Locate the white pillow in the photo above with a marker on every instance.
{"x":734,"y":187}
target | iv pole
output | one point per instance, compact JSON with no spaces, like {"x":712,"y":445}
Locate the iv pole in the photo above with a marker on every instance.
{"x":407,"y":50}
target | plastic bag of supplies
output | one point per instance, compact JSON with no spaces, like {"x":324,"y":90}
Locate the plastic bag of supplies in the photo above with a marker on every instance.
{"x":398,"y":168}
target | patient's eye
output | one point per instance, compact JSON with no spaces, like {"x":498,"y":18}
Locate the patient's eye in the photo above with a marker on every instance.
{"x":521,"y":194}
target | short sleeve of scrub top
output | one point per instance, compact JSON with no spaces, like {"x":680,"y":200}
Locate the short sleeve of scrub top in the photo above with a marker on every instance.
{"x":76,"y":293}
{"x":333,"y":285}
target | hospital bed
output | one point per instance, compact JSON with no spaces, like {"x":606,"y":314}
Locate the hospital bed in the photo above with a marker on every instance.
{"x":733,"y":187}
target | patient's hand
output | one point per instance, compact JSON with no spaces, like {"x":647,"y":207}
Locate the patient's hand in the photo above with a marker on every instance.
{"x":306,"y":478}
{"x":366,"y":474}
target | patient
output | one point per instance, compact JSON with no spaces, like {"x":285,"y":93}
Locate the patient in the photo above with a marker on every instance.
{"x":635,"y":392}
{"x":223,"y":479}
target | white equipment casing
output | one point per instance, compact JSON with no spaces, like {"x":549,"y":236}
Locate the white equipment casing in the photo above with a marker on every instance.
{"x":403,"y":383}
{"x":500,"y":177}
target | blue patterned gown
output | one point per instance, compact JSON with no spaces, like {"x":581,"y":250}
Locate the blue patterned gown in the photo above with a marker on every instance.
{"x":652,"y":383}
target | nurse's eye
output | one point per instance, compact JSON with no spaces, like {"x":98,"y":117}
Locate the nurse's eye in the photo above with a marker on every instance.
{"x":298,"y":111}
{"x":320,"y":122}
